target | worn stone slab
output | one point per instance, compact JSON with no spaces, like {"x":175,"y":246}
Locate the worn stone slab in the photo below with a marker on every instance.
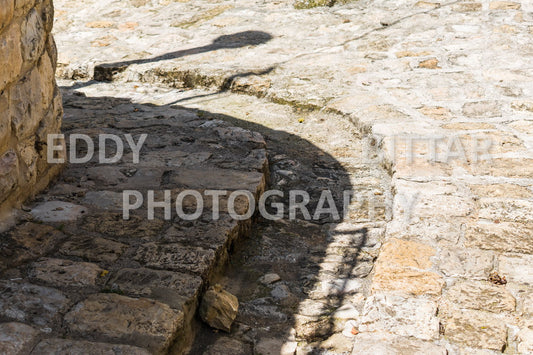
{"x":501,"y":236}
{"x":480,"y":295}
{"x":387,"y":344}
{"x":25,"y":302}
{"x":58,"y":211}
{"x":61,"y":272}
{"x":402,"y":266}
{"x":227,"y":345}
{"x":516,"y":268}
{"x":114,"y":225}
{"x":176,"y":257}
{"x":93,"y":248}
{"x":17,"y":338}
{"x":141,"y":322}
{"x":57,"y":346}
{"x":466,"y":263}
{"x":477,"y":329}
{"x":30,"y":241}
{"x":414,"y":317}
{"x":173,"y":288}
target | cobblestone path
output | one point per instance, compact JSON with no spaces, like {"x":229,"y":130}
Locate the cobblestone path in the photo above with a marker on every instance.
{"x":346,"y":94}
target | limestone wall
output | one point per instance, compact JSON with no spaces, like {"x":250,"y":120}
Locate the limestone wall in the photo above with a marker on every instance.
{"x":30,"y":102}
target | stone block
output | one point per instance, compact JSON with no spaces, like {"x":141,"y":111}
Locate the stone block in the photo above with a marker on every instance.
{"x":17,"y":338}
{"x":219,"y":308}
{"x":176,"y":257}
{"x":466,"y":263}
{"x":60,"y":272}
{"x":517,"y":268}
{"x":7,"y":7}
{"x":33,"y":37}
{"x":501,"y":236}
{"x":477,"y":295}
{"x":412,"y":316}
{"x":476,"y":329}
{"x":57,"y":346}
{"x":93,"y":248}
{"x":25,"y":302}
{"x":10,"y":55}
{"x":481,"y":109}
{"x":140,"y":322}
{"x":8,"y":174}
{"x":173,"y":288}
{"x":504,"y":5}
{"x":402,"y":266}
{"x":387,"y":344}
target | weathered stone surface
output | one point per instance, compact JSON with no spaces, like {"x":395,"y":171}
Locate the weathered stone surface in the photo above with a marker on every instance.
{"x":504,"y":5}
{"x":30,"y":241}
{"x":431,"y":63}
{"x":61,"y":273}
{"x":501,"y":190}
{"x":175,"y":257}
{"x":517,"y":268}
{"x":385,"y":344}
{"x":58,"y":211}
{"x":10,"y":55}
{"x":172,"y":288}
{"x":141,"y":322}
{"x":58,"y":346}
{"x":481,"y":108}
{"x":467,"y":7}
{"x":501,"y":236}
{"x":476,"y":329}
{"x":466,"y":263}
{"x":31,"y":303}
{"x":6,"y":12}
{"x":414,"y":317}
{"x":513,"y":210}
{"x":33,"y":36}
{"x":93,"y":249}
{"x":17,"y":338}
{"x":402,"y":266}
{"x":227,"y":346}
{"x":9,"y":173}
{"x":270,"y":278}
{"x":219,"y":308}
{"x":482,"y":296}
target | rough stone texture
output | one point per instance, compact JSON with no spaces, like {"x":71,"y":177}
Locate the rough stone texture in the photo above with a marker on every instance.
{"x":482,"y":296}
{"x":385,"y":344}
{"x":219,"y":308}
{"x":477,"y":329}
{"x":27,"y":90}
{"x":61,"y":273}
{"x":17,"y":338}
{"x":75,"y":347}
{"x":517,"y":268}
{"x":31,"y":303}
{"x":402,"y":266}
{"x":414,"y":317}
{"x":141,"y":322}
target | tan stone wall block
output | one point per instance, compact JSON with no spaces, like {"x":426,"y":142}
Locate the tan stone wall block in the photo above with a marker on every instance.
{"x":6,"y":12}
{"x":8,"y":174}
{"x":33,"y":37}
{"x":402,"y":266}
{"x":5,"y":121}
{"x":10,"y":55}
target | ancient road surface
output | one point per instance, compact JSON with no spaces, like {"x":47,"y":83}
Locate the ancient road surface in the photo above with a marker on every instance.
{"x":430,"y":103}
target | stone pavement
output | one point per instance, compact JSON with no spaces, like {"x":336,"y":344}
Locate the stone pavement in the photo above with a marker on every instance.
{"x":436,"y":79}
{"x":74,"y":270}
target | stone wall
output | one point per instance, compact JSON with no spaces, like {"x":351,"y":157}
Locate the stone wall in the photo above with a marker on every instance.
{"x":30,"y":102}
